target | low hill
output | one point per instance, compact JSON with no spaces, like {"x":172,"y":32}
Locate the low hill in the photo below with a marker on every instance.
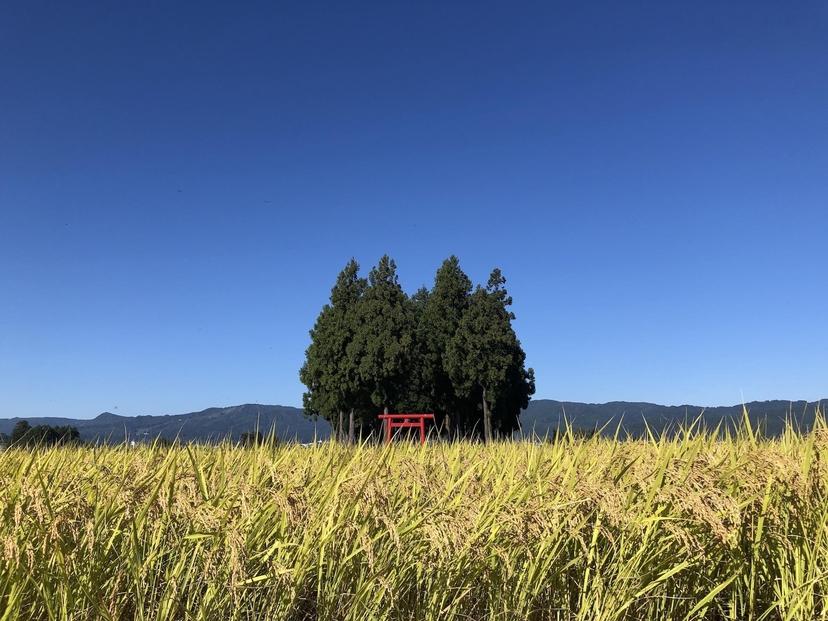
{"x":542,"y":417}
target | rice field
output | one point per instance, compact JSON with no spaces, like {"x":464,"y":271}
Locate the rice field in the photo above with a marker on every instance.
{"x":697,"y":526}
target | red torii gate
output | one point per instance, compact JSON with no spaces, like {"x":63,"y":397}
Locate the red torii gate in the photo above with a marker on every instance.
{"x":399,"y":421}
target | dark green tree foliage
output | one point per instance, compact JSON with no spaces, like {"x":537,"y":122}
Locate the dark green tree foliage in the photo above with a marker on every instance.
{"x":24,"y":435}
{"x":486,"y":362}
{"x":383,"y":342}
{"x":438,"y":322}
{"x":20,"y":432}
{"x":514,"y":394}
{"x":330,"y":372}
{"x":447,"y":351}
{"x":251,"y":438}
{"x":418,"y":392}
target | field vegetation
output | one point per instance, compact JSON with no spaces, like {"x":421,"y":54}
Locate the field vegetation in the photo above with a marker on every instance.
{"x":694,"y":526}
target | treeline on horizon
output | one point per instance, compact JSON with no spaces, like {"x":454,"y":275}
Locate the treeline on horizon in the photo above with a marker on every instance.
{"x":450,"y":350}
{"x":25,"y":435}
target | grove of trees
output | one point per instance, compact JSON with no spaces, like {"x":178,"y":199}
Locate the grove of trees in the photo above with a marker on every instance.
{"x":450,"y":350}
{"x":24,"y":435}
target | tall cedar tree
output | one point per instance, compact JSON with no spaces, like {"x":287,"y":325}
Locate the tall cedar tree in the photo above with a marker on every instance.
{"x":20,"y":432}
{"x":418,"y":393}
{"x":330,"y":374}
{"x":438,"y":322}
{"x":382,"y":344}
{"x":485,"y":360}
{"x":514,"y":395}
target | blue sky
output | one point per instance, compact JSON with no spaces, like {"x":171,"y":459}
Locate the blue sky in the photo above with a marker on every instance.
{"x":179,"y":186}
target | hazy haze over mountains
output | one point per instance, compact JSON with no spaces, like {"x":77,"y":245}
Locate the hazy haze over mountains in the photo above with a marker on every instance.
{"x":542,"y":417}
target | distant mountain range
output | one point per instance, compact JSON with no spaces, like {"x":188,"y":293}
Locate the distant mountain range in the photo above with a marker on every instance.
{"x":545,"y":416}
{"x":208,"y":425}
{"x":542,"y":417}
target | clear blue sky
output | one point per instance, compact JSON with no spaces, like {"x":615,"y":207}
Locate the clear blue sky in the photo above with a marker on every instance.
{"x":179,"y":186}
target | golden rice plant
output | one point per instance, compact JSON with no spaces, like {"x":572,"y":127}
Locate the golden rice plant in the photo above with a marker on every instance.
{"x":693,"y":526}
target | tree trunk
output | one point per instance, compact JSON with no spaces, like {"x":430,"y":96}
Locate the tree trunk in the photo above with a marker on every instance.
{"x":340,"y":431}
{"x":447,"y":425}
{"x":487,"y":420}
{"x":351,"y":427}
{"x":384,"y":422}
